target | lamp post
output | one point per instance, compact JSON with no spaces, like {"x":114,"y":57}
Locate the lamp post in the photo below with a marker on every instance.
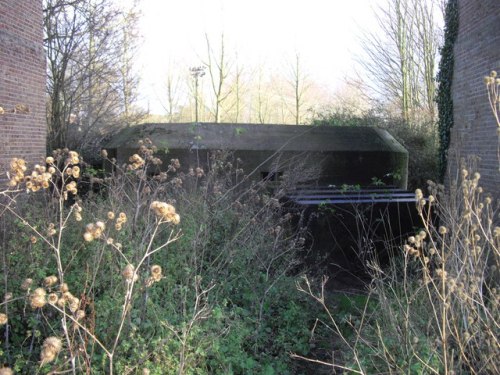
{"x":197,"y":72}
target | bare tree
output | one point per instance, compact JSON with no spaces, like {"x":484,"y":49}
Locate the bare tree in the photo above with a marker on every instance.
{"x":218,"y":71}
{"x":128,"y":38}
{"x":299,"y":82}
{"x":428,"y":35}
{"x":172,"y":91}
{"x":237,"y":93}
{"x":400,"y":57}
{"x":262,"y":98}
{"x":91,"y":86}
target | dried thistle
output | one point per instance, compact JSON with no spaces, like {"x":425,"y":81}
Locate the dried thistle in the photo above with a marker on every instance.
{"x":26,"y":284}
{"x":51,"y":347}
{"x":52,"y":298}
{"x":165,"y":212}
{"x":129,"y":274}
{"x":37,"y":298}
{"x":50,"y":281}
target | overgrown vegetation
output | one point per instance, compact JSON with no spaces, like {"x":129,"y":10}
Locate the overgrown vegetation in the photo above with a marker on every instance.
{"x":117,"y":282}
{"x":419,"y":139}
{"x":435,"y":308}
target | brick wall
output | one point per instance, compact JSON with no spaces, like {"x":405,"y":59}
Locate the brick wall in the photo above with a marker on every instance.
{"x":477,"y":52}
{"x":22,"y":81}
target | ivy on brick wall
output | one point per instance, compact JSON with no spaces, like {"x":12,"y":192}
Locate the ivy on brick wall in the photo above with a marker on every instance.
{"x":445,"y":78}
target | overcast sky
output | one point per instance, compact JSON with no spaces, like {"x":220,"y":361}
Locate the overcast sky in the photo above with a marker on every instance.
{"x":324,"y":32}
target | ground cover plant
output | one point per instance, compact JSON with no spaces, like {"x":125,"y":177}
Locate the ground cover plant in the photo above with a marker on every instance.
{"x":151,"y":271}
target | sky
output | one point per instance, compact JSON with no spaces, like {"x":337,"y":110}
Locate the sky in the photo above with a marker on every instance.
{"x":325,"y":33}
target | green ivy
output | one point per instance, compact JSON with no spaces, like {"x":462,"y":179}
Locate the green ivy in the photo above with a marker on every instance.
{"x":445,"y":79}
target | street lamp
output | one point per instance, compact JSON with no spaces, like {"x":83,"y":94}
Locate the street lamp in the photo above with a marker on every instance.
{"x":197,"y":72}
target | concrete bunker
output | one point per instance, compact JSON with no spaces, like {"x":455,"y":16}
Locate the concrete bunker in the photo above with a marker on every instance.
{"x":346,"y":155}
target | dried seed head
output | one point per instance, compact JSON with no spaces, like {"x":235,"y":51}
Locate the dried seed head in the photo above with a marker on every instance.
{"x":496,"y":232}
{"x":63,"y":288}
{"x":441,"y":273}
{"x":80,"y":314}
{"x":100,"y":225}
{"x":128,"y":273}
{"x":156,"y":273}
{"x":76,"y":172}
{"x":52,"y":298}
{"x":3,"y":319}
{"x":136,"y":162}
{"x":26,"y":284}
{"x":37,"y":298}
{"x":6,"y":371}
{"x":111,"y":215}
{"x":50,"y":281}
{"x":74,"y":304}
{"x":73,"y":157}
{"x":165,"y":212}
{"x":418,"y":194}
{"x":87,"y":236}
{"x":51,"y":347}
{"x":61,"y":302}
{"x":156,"y":269}
{"x":442,"y":230}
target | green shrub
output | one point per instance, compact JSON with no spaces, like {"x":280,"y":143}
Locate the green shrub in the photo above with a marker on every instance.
{"x":419,"y":139}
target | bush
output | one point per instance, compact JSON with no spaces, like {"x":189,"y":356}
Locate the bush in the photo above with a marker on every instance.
{"x":419,"y":139}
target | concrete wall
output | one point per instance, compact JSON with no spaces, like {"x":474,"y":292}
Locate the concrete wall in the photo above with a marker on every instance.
{"x":340,"y":155}
{"x":477,"y":52}
{"x":22,"y":81}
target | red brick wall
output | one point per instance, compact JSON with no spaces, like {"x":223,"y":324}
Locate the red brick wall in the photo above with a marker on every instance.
{"x":22,"y":81}
{"x":477,"y":52}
